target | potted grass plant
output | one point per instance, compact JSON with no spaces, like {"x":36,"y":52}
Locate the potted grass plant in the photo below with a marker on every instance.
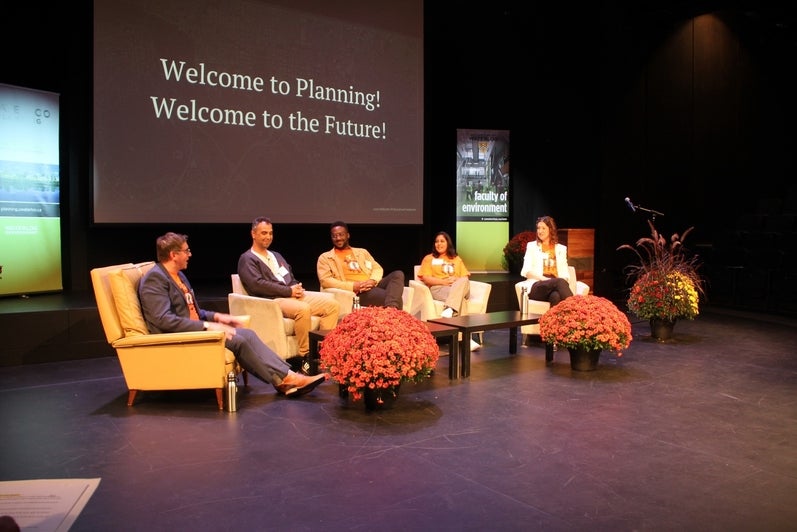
{"x":666,"y":283}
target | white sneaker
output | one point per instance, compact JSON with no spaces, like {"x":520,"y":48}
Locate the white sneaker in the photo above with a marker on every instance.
{"x":448,"y":312}
{"x":474,"y":345}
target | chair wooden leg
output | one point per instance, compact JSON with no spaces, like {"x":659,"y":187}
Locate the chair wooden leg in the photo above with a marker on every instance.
{"x":220,"y":398}
{"x":131,"y":396}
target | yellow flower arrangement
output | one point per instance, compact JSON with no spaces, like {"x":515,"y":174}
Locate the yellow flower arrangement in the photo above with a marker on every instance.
{"x":666,"y":284}
{"x":665,"y":296}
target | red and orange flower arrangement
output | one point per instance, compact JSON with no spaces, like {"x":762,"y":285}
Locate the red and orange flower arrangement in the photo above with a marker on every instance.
{"x":588,"y":322}
{"x":378,"y":348}
{"x":667,"y":283}
{"x":515,"y":250}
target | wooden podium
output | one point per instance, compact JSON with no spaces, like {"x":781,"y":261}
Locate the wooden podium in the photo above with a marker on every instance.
{"x":580,"y":253}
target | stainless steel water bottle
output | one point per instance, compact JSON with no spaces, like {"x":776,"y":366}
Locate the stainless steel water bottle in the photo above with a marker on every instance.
{"x":232,"y":391}
{"x":355,"y":305}
{"x":524,"y":301}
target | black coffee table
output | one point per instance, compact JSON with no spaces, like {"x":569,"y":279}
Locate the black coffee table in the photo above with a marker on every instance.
{"x":505,"y":319}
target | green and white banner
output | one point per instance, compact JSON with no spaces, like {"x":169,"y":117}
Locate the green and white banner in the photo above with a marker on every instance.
{"x":482,"y":198}
{"x":30,"y":205}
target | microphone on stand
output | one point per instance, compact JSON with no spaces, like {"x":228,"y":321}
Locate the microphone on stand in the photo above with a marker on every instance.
{"x":630,"y":205}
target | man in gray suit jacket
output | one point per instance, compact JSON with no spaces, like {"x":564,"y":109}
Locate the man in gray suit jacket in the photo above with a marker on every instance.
{"x":169,"y":305}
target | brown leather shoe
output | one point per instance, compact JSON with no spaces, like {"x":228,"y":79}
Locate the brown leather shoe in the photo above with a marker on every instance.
{"x":295,"y":384}
{"x":286,"y":389}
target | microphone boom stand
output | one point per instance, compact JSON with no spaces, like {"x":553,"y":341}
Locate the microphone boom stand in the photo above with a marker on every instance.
{"x":649,"y":211}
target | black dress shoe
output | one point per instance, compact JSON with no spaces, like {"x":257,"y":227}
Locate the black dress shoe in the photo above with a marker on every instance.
{"x":296,"y":363}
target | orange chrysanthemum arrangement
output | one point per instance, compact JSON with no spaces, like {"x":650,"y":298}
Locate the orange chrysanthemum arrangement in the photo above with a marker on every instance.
{"x":587,"y":322}
{"x":378,"y":348}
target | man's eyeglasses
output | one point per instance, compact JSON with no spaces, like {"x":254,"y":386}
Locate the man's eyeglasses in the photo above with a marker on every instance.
{"x":186,"y":250}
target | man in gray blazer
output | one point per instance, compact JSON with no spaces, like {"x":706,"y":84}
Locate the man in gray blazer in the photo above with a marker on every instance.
{"x":169,"y":305}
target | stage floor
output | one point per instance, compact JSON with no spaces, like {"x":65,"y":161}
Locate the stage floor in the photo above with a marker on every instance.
{"x":693,"y":434}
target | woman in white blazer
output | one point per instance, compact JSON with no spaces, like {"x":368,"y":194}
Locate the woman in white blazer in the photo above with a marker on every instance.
{"x":545,"y":265}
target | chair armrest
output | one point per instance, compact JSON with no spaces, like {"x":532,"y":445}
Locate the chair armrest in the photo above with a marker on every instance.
{"x":266,"y":319}
{"x":345,"y":299}
{"x":165,"y":339}
{"x":408,"y":299}
{"x":582,"y":288}
{"x":422,"y":301}
{"x":479,"y":297}
{"x":573,"y":282}
{"x":538,"y":307}
{"x":262,"y":311}
{"x":535,"y":307}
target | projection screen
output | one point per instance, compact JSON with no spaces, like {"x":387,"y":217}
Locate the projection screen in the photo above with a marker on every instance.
{"x":217,"y":112}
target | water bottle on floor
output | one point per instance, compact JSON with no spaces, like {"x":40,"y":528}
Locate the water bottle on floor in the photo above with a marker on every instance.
{"x":232,"y":391}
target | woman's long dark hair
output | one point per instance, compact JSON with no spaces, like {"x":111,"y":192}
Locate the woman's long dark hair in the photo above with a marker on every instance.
{"x":450,"y":251}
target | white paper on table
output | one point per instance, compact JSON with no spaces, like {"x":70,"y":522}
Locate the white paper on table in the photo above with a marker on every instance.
{"x":46,"y":505}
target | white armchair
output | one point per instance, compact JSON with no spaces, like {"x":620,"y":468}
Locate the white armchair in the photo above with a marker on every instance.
{"x":541,"y":307}
{"x":425,"y":307}
{"x":267,"y":320}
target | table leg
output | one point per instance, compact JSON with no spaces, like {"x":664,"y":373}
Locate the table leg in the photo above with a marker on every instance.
{"x":548,"y":353}
{"x":313,"y":356}
{"x":453,"y":356}
{"x":464,"y":348}
{"x":513,"y":340}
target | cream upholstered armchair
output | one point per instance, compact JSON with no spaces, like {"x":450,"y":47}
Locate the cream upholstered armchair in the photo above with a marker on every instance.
{"x":267,"y":321}
{"x":346,"y":299}
{"x":541,"y":307}
{"x":425,"y":307}
{"x":168,"y":361}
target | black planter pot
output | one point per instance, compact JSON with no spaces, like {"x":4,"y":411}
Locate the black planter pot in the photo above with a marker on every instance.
{"x":584,"y":359}
{"x":661,"y":329}
{"x":380,"y":398}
